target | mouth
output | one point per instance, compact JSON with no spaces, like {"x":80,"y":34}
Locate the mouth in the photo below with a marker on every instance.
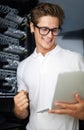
{"x":47,"y":40}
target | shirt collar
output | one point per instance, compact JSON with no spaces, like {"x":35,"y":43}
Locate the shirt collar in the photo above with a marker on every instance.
{"x":55,"y":50}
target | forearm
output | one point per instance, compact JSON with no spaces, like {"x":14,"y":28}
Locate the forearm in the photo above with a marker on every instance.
{"x":21,"y":114}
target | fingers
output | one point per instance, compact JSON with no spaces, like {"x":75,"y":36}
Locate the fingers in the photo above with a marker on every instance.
{"x":65,"y":105}
{"x":64,"y":108}
{"x":61,"y":111}
{"x":21,"y":101}
{"x":78,"y":113}
{"x":78,"y":98}
{"x":23,"y":92}
{"x":75,"y":109}
{"x":72,"y":109}
{"x":73,"y":106}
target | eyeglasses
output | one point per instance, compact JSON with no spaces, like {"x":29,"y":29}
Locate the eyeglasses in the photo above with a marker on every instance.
{"x":45,"y":30}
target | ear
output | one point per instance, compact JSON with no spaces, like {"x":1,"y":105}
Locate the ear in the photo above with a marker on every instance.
{"x":31,"y":27}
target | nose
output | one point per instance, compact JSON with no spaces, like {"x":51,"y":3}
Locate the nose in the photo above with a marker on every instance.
{"x":50,"y":34}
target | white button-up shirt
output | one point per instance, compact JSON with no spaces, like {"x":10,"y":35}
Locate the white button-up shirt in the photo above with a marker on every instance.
{"x":38,"y":74}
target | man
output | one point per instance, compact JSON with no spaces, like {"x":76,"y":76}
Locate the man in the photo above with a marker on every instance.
{"x":37,"y":74}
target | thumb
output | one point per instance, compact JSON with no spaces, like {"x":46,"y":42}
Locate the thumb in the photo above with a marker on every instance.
{"x":77,"y":97}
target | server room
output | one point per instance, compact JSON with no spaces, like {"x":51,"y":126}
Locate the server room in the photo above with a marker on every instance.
{"x":39,"y":41}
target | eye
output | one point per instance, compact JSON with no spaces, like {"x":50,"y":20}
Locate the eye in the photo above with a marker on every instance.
{"x":56,"y":30}
{"x":44,"y":29}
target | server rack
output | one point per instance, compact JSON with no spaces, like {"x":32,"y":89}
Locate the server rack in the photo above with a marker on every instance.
{"x":15,"y":45}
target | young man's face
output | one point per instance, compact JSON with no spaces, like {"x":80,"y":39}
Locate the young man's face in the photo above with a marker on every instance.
{"x":45,"y":43}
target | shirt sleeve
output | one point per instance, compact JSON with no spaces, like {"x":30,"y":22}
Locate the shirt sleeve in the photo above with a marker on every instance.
{"x":20,"y":81}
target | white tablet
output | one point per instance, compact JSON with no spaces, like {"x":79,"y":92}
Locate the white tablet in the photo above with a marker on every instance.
{"x":68,"y":83}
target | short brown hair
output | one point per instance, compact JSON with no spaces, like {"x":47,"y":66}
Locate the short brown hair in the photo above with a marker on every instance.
{"x":45,"y":9}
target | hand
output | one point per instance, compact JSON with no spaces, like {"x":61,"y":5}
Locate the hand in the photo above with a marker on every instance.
{"x":21,"y":104}
{"x":72,"y":109}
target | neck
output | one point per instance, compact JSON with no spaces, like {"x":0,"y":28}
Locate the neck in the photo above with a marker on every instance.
{"x":44,"y":51}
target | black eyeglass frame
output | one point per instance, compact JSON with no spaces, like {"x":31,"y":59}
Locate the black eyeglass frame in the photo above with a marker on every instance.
{"x":52,"y":30}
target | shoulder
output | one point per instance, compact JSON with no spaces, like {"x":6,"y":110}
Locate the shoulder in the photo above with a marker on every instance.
{"x":70,"y":54}
{"x":74,"y":58}
{"x":24,"y":63}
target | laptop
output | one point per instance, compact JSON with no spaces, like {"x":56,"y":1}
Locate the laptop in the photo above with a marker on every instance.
{"x":67,"y":84}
